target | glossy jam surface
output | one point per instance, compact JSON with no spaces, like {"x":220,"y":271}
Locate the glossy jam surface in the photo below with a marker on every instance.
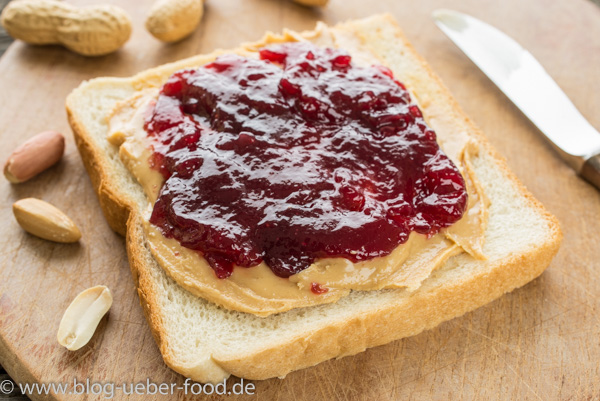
{"x":297,"y":156}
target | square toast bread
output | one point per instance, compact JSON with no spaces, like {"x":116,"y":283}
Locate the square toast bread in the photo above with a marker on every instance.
{"x":206,"y":342}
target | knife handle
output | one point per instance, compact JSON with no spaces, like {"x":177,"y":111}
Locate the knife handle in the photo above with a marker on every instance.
{"x":591,"y":170}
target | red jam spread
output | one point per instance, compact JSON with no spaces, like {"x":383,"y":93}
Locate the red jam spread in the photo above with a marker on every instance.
{"x":296,"y":156}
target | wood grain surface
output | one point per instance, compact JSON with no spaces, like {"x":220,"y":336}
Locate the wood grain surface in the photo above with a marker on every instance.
{"x":15,"y":394}
{"x":541,"y":342}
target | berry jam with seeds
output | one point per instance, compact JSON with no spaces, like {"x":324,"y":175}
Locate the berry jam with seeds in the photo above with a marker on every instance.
{"x":296,"y":156}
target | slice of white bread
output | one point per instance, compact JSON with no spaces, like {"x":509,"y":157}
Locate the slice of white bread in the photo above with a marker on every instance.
{"x":207,"y":343}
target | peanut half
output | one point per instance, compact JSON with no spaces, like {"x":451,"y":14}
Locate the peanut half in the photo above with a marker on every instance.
{"x":90,"y":31}
{"x":34,"y":156}
{"x":173,"y":20}
{"x":82,"y":317}
{"x":45,"y":221}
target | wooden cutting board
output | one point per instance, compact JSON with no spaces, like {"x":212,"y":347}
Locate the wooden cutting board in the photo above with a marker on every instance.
{"x":539,"y":342}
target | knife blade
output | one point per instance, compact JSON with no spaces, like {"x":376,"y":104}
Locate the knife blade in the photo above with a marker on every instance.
{"x":525,"y":82}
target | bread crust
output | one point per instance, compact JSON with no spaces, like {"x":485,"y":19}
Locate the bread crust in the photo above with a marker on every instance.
{"x":426,"y":308}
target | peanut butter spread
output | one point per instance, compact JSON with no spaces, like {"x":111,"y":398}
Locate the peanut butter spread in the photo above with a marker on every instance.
{"x":257,"y":289}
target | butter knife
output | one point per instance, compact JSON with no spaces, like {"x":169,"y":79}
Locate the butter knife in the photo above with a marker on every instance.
{"x":525,"y":82}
